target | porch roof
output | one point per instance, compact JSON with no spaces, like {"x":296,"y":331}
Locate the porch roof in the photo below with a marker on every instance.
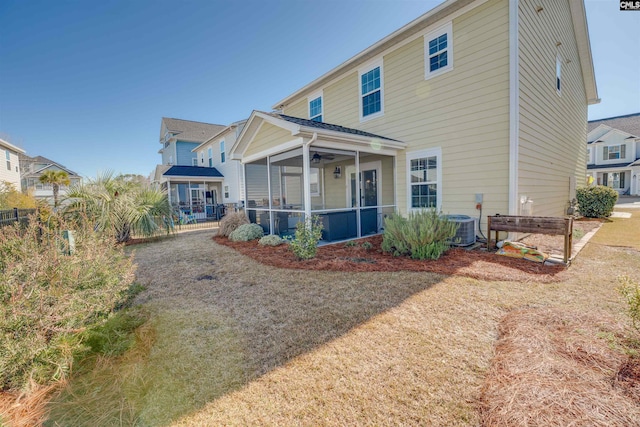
{"x":613,"y":166}
{"x":192,"y":172}
{"x":343,"y":137}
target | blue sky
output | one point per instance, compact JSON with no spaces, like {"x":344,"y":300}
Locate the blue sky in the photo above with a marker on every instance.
{"x":86,"y":83}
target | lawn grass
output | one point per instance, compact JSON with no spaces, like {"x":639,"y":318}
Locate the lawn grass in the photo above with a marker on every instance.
{"x":232,"y":342}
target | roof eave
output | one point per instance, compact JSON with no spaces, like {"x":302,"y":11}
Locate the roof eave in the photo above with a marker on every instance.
{"x":217,"y":135}
{"x":581,"y":31}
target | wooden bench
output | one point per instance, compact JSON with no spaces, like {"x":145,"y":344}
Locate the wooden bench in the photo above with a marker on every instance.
{"x":535,"y":225}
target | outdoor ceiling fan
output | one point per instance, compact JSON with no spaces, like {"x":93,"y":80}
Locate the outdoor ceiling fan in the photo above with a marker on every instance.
{"x":316,"y":158}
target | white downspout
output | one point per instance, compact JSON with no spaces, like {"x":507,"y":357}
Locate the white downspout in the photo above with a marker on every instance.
{"x":514,"y":106}
{"x":306,"y":174}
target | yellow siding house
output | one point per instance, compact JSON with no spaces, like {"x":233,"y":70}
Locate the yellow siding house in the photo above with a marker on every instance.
{"x":477,"y":107}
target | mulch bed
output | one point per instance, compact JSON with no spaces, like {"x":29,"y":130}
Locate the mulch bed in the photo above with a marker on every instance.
{"x":339,"y":257}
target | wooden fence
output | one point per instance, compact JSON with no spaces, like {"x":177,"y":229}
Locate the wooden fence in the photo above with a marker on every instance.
{"x":11,"y":216}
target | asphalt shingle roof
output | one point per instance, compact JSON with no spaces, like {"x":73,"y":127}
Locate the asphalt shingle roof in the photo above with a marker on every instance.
{"x":193,"y":171}
{"x":615,"y":165}
{"x":328,"y":126}
{"x":629,"y":123}
{"x":187,"y":130}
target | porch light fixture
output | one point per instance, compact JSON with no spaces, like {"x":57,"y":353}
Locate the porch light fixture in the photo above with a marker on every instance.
{"x":337,"y":172}
{"x":316,"y":158}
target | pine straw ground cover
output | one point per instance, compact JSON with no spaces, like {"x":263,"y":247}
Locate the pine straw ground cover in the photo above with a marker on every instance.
{"x":235,"y":342}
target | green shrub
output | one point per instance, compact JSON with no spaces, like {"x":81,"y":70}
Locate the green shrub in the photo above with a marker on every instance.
{"x":271,"y":240}
{"x":367,"y":246}
{"x":424,"y":234}
{"x":305,"y":242}
{"x":246,"y":232}
{"x":596,"y":202}
{"x":231,"y":221}
{"x":630,"y":290}
{"x":48,"y":299}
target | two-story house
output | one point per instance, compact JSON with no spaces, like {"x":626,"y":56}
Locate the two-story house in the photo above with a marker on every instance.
{"x":213,"y":153}
{"x":10,"y":167}
{"x":477,"y":107}
{"x":32,"y":169}
{"x":189,"y":185}
{"x":613,"y":153}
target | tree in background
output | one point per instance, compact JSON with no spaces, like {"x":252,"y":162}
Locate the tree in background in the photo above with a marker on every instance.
{"x":11,"y":198}
{"x":120,"y":206}
{"x":56,"y":179}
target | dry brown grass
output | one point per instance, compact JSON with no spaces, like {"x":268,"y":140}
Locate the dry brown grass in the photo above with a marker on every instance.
{"x":239,"y":343}
{"x":26,"y":409}
{"x":556,"y":368}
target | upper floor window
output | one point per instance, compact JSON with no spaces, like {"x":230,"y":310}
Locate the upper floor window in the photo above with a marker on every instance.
{"x":559,"y":74}
{"x":614,"y":152}
{"x":210,"y":155}
{"x":8,"y":160}
{"x":222,"y":152}
{"x":589,"y":155}
{"x":371,"y":92}
{"x":194,"y":161}
{"x":315,"y":109}
{"x":438,"y":47}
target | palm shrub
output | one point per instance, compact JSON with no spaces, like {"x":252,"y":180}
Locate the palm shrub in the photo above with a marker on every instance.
{"x":48,"y":299}
{"x":424,"y":234}
{"x":246,"y":232}
{"x":56,"y":178}
{"x":596,"y":202}
{"x":119,"y":207}
{"x":231,"y":221}
{"x":304,"y":244}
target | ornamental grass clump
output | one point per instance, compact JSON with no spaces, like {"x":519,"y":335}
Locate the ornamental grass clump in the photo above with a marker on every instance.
{"x":51,"y":295}
{"x":231,"y":221}
{"x":271,"y":240}
{"x":246,"y":232}
{"x":304,"y":245}
{"x":424,"y":234}
{"x":596,"y":202}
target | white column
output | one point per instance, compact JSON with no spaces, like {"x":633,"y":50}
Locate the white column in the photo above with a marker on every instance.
{"x":306,"y":172}
{"x":358,"y":227}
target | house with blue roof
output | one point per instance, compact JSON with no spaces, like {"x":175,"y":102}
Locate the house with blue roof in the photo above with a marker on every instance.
{"x":194,"y":187}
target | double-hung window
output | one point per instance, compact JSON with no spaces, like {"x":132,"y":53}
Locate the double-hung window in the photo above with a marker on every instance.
{"x":222,"y":152}
{"x":424,"y":177}
{"x":371,"y":97}
{"x":315,"y":109}
{"x":438,"y":46}
{"x":210,"y":155}
{"x":614,"y":152}
{"x":8,"y":155}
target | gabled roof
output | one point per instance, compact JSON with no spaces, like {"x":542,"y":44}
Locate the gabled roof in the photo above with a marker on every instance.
{"x":48,"y":163}
{"x":437,"y":14}
{"x":324,"y":132}
{"x":629,"y":123}
{"x":328,"y":126}
{"x":193,"y":171}
{"x":187,"y":130}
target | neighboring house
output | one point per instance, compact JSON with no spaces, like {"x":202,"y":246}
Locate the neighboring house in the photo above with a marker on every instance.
{"x":475,"y":104}
{"x":213,"y":154}
{"x":32,"y":169}
{"x":189,"y":186}
{"x":613,"y":153}
{"x":10,"y":166}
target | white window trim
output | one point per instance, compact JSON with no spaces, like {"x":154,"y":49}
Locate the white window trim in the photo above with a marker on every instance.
{"x":312,"y":97}
{"x":431,"y":152}
{"x":448,"y":29}
{"x":222,"y":151}
{"x":363,"y":70}
{"x":558,"y":74}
